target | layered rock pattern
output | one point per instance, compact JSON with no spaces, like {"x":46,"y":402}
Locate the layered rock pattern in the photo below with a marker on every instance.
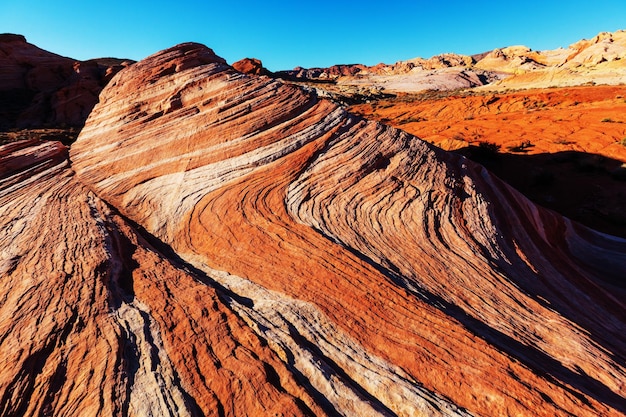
{"x":559,"y":147}
{"x":230,"y":245}
{"x":389,"y":277}
{"x":96,"y":321}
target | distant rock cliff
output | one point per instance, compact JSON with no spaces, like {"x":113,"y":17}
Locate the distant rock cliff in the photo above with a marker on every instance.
{"x":226,"y":244}
{"x":601,"y":60}
{"x":42,"y":89}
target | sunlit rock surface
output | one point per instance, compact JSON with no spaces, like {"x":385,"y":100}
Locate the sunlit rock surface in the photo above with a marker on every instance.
{"x":251,"y":66}
{"x":599,"y":60}
{"x":231,"y":245}
{"x":95,"y":321}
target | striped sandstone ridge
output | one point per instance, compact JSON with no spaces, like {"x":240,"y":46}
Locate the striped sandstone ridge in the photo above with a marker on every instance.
{"x":559,"y":130}
{"x":390,"y":277}
{"x":95,"y":321}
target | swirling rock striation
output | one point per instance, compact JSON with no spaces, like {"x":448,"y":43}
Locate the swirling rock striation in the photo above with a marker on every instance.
{"x":96,"y":321}
{"x":388,"y":276}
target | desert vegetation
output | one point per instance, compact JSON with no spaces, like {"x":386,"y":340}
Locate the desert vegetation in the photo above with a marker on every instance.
{"x":65,"y":136}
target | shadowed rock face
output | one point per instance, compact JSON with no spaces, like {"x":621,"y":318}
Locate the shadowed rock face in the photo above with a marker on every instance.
{"x":42,"y":89}
{"x":233,"y":245}
{"x":549,"y":142}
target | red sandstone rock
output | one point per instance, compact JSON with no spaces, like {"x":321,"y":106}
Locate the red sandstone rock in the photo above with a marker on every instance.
{"x":389,"y":276}
{"x":251,"y":66}
{"x":560,"y":146}
{"x":96,"y":321}
{"x":39,"y":88}
{"x":326,"y":73}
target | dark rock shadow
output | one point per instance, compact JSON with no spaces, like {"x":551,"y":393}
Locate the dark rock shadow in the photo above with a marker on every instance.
{"x":587,"y":188}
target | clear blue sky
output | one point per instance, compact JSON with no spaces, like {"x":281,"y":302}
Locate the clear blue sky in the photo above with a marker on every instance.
{"x":306,"y":33}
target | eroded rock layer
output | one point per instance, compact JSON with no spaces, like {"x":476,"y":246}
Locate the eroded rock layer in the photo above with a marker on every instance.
{"x":560,"y":147}
{"x":388,"y":276}
{"x":95,"y":321}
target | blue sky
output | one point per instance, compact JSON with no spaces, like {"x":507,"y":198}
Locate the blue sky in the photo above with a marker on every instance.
{"x":306,"y":33}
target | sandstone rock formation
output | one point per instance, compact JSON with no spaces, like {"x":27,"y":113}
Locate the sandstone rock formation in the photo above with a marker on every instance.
{"x":391,"y":276}
{"x":511,"y":60}
{"x":436,"y":62}
{"x":251,"y":66}
{"x":42,"y":89}
{"x":441,"y":72}
{"x":96,"y":321}
{"x":225,"y":244}
{"x":599,"y":60}
{"x":563,"y":148}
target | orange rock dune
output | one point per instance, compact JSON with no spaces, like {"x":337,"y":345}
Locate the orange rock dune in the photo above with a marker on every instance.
{"x":584,"y":119}
{"x":227,"y":244}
